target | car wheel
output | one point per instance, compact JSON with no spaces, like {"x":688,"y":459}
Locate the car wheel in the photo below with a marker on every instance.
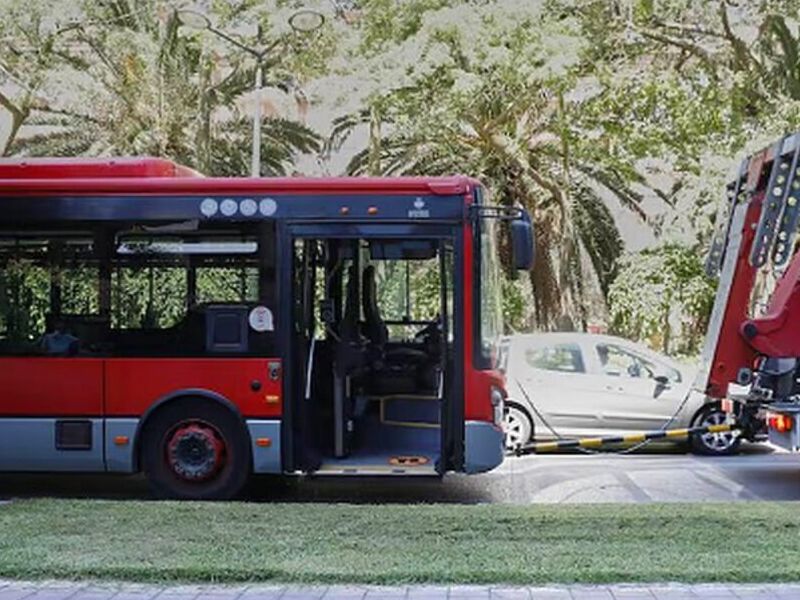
{"x":519,"y":427}
{"x":714,"y":444}
{"x":197,"y":451}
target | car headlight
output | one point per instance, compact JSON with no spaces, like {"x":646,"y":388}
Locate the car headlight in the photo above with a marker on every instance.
{"x":498,"y":406}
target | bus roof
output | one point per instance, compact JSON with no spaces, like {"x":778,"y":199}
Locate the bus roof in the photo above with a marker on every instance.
{"x":107,"y":176}
{"x":91,"y":168}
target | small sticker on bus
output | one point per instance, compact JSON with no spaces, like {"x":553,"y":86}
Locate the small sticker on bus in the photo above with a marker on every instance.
{"x":261,"y":319}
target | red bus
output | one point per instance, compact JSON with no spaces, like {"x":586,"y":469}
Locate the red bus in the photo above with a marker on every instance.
{"x":204,"y":329}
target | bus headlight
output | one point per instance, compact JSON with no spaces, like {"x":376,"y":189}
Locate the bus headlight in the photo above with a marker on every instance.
{"x":498,"y":406}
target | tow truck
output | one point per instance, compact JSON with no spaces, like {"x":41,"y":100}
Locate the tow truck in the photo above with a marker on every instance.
{"x":751,"y":356}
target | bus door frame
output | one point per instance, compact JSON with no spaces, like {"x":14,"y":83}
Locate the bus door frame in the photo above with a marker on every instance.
{"x":452,"y":417}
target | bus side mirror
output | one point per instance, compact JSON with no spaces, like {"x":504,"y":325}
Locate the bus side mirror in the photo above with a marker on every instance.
{"x":522,"y":247}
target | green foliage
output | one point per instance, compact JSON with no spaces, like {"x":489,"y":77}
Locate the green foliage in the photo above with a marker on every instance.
{"x":150,"y":86}
{"x":516,"y":302}
{"x":282,"y":140}
{"x":497,"y":110}
{"x":663,"y":115}
{"x":663,"y":295}
{"x":388,"y":21}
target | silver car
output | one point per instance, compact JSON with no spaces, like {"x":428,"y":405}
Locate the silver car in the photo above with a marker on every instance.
{"x":586,"y":385}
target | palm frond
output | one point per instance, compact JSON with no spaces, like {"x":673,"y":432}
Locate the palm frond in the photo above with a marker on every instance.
{"x":343,"y":127}
{"x":628,"y":197}
{"x":61,"y":143}
{"x":282,"y":140}
{"x":290,"y":135}
{"x":599,"y":234}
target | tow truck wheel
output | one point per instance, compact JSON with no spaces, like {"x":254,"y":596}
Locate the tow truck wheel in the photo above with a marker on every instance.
{"x":196,"y":450}
{"x":519,"y":427}
{"x":714,"y":444}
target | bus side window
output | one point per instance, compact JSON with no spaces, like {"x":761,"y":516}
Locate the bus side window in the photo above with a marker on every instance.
{"x":166,"y":284}
{"x":41,"y":278}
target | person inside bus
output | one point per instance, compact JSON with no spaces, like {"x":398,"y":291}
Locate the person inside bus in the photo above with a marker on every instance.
{"x":60,"y":342}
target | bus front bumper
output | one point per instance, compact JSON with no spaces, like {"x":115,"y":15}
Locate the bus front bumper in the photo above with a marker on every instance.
{"x":484,"y":445}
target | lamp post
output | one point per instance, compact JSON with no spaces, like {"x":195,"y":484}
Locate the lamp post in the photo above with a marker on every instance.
{"x":303,"y":21}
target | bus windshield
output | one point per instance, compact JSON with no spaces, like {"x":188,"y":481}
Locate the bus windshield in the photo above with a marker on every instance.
{"x":491,"y":307}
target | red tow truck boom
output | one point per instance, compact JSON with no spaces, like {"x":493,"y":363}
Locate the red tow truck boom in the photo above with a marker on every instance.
{"x":753,"y":338}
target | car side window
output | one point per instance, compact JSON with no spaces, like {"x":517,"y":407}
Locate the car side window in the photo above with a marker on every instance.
{"x":618,"y":362}
{"x":565,"y":358}
{"x":672,"y":374}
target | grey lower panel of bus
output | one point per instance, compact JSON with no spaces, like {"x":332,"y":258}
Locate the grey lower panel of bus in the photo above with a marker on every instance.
{"x":30,"y":445}
{"x":266,"y":459}
{"x":120,"y":459}
{"x":483,"y":446}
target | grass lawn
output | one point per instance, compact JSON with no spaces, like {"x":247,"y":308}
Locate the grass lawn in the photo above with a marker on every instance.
{"x":389,"y":544}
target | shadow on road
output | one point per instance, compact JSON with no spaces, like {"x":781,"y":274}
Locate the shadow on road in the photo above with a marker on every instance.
{"x":452,"y":489}
{"x":520,"y":481}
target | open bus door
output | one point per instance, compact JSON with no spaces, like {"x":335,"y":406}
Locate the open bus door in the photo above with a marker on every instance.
{"x":373,"y":380}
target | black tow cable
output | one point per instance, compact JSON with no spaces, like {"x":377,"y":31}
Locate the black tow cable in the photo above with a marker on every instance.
{"x":634,"y":438}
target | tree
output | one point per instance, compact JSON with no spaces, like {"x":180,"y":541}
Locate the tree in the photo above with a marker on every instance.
{"x":149,"y":86}
{"x":664,"y":296}
{"x":499,"y":109}
{"x":31,"y":54}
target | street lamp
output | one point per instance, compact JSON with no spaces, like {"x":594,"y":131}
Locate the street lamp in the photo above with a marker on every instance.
{"x":303,"y":21}
{"x":306,"y":21}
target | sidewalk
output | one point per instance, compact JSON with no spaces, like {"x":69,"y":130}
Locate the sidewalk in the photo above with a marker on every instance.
{"x":60,"y":590}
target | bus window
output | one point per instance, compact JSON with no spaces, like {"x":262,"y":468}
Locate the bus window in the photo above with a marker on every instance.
{"x":227,"y":284}
{"x":133,"y":287}
{"x":80,"y":290}
{"x":159,"y":277}
{"x":167,"y":284}
{"x":408,"y":293}
{"x":42,"y":279}
{"x":24,"y":304}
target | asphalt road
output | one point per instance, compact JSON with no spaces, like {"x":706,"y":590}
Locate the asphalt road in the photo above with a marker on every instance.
{"x":671,"y":476}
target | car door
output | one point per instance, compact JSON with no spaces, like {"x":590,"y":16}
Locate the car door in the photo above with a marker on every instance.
{"x":632,"y":399}
{"x":554,"y":377}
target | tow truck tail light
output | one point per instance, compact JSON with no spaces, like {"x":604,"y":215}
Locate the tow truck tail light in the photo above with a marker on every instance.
{"x":780,"y":423}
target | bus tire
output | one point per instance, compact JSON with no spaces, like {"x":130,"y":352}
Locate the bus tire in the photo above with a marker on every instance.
{"x":194,"y":449}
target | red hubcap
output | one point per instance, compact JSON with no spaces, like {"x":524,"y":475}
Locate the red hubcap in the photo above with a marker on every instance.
{"x":195,"y":451}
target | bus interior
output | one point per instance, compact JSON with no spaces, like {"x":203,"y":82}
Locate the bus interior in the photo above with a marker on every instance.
{"x":373,"y":348}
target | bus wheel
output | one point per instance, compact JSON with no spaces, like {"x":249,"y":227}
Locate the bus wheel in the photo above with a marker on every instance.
{"x":195,"y":450}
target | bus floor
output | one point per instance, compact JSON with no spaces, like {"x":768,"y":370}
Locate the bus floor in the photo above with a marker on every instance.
{"x":383,"y":448}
